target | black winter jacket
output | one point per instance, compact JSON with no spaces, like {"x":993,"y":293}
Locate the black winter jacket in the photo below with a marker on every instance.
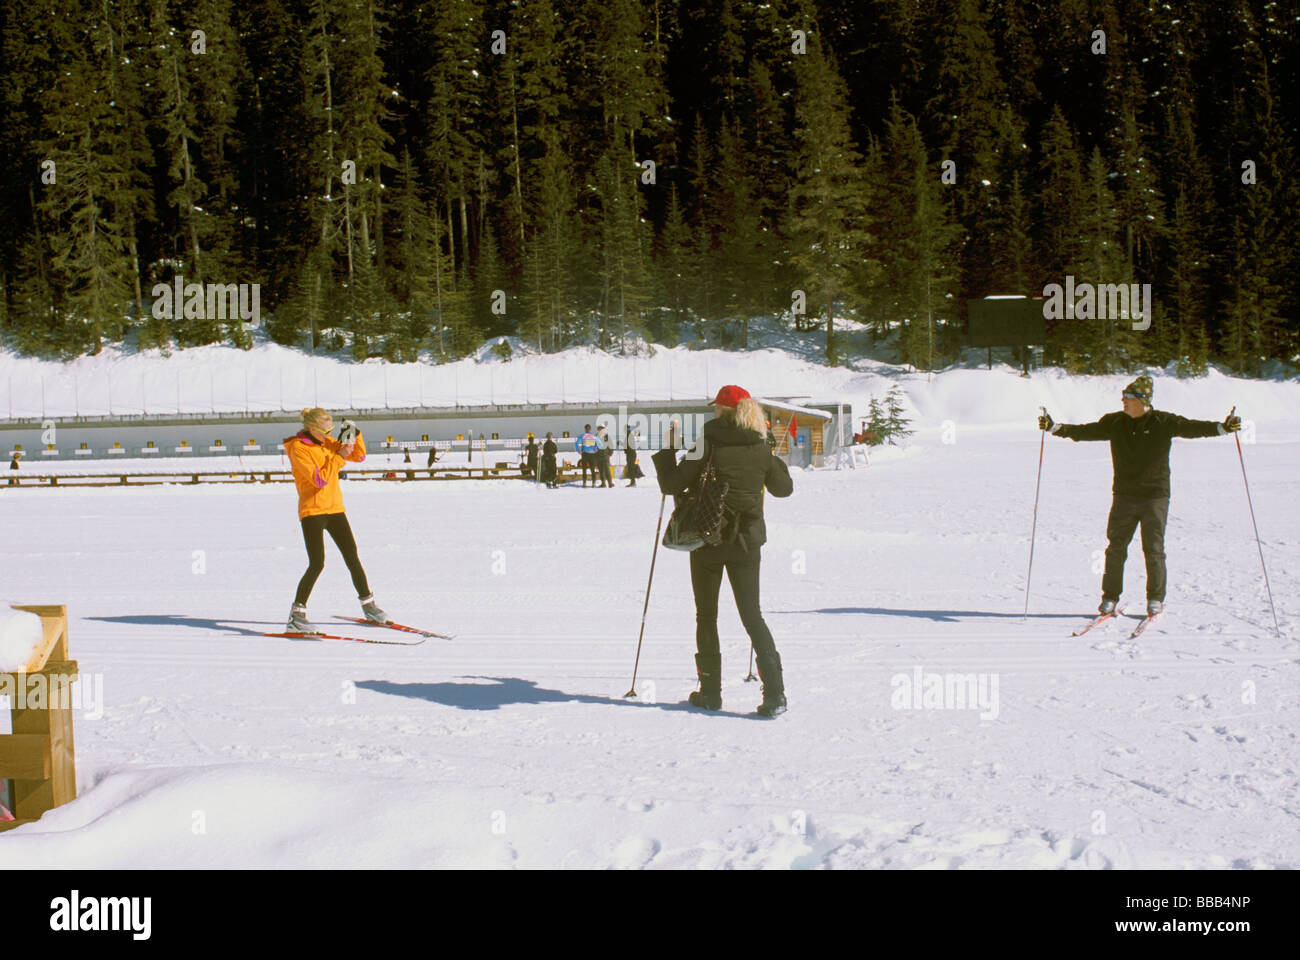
{"x":742,"y":459}
{"x":1139,"y":448}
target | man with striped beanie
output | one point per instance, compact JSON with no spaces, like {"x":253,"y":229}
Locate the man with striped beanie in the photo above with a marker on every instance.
{"x":1139,"y":451}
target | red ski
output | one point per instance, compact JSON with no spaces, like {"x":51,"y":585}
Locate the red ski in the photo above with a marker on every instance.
{"x":1098,"y":621}
{"x":333,"y":636}
{"x":392,"y":625}
{"x":1137,"y":631}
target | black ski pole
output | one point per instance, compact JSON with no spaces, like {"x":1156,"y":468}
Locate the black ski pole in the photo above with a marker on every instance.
{"x":751,"y":676}
{"x":632,"y":692}
{"x":1258,"y":545}
{"x":1034,"y":532}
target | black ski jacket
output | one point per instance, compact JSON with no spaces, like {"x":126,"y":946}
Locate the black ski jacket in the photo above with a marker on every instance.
{"x":1139,"y":448}
{"x":742,"y":459}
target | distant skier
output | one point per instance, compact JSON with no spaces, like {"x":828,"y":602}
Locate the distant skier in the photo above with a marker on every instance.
{"x":603,"y":458}
{"x":632,"y":468}
{"x":588,"y":446}
{"x":316,"y":459}
{"x":740,"y":456}
{"x":433,"y":456}
{"x":531,"y":469}
{"x":1139,"y":452}
{"x":549,"y":450}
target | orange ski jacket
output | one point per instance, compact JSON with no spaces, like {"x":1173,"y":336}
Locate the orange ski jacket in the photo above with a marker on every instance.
{"x":316,"y":467}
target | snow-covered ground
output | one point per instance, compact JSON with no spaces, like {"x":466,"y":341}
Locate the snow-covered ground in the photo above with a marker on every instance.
{"x":201,"y":742}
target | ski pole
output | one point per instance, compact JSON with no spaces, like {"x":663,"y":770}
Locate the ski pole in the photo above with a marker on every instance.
{"x":1258,"y":545}
{"x":662,"y":500}
{"x":1034,"y":532}
{"x":750,"y":676}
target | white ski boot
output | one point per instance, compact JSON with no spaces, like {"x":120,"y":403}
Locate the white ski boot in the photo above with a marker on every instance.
{"x":298,"y":622}
{"x":371,"y":610}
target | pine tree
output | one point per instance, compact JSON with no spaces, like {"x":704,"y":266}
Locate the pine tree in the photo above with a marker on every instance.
{"x":971,"y":121}
{"x":361,"y":97}
{"x":828,"y":198}
{"x":125,"y":34}
{"x":551,"y":252}
{"x":1138,"y":201}
{"x":490,"y":276}
{"x":1060,"y":200}
{"x":896,"y":423}
{"x":88,"y":238}
{"x":413,"y":273}
{"x":676,"y":269}
{"x":921,"y":238}
{"x":196,"y":240}
{"x":1184,"y":335}
{"x":875,"y":428}
{"x":739,"y":260}
{"x":1013,"y":268}
{"x":1180,"y":329}
{"x":316,"y":286}
{"x":703,"y":293}
{"x":455,"y":104}
{"x":624,"y":246}
{"x":1104,"y":345}
{"x":1261,"y":245}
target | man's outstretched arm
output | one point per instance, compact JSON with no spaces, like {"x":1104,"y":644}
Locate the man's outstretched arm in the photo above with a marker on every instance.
{"x":1076,"y":431}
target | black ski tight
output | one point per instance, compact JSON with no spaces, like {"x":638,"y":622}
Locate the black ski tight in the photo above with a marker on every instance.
{"x":707,"y":564}
{"x":313,"y":534}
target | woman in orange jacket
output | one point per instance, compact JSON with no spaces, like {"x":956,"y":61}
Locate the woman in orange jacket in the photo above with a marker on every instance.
{"x":316,"y":459}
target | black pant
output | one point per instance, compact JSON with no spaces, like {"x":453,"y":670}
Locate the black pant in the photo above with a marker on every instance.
{"x":1125,"y":515}
{"x":313,"y":534}
{"x":707,"y":564}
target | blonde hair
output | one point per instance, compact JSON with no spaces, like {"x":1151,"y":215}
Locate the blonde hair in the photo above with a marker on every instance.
{"x":747,"y":415}
{"x":315,"y":417}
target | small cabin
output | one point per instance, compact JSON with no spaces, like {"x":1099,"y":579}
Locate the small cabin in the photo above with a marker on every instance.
{"x":800,"y":432}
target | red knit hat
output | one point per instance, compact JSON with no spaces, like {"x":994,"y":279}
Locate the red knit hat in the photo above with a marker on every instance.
{"x":730,"y":395}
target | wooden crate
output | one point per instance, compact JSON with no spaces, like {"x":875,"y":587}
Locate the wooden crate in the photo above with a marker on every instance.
{"x":39,"y":756}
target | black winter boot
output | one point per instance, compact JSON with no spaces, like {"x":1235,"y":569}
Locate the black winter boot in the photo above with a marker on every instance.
{"x":773,"y":704}
{"x":709,"y":696}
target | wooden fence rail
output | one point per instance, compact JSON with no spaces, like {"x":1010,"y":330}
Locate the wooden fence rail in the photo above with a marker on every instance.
{"x":499,"y":470}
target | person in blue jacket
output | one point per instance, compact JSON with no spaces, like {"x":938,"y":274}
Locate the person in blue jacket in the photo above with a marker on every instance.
{"x":589,"y":446}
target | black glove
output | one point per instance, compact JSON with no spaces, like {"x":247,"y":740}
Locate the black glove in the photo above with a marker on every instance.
{"x":1231,"y":424}
{"x":1045,"y":422}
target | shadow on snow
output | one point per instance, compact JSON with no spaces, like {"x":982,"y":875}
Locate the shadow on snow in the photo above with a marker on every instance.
{"x":507,"y":691}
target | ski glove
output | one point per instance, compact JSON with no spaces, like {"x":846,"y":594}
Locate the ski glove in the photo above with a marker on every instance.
{"x":1230,"y":424}
{"x":1045,"y":422}
{"x":348,"y":432}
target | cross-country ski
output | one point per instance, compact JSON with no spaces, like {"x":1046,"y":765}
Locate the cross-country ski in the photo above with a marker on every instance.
{"x":331,"y":636}
{"x":397,"y":626}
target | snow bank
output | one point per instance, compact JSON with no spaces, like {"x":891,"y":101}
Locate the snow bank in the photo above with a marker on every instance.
{"x":21,"y":634}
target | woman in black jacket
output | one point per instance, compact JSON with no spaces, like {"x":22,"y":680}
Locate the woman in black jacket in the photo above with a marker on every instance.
{"x":736,"y":440}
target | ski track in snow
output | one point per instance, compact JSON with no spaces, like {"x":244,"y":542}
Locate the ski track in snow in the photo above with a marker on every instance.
{"x":513,"y":745}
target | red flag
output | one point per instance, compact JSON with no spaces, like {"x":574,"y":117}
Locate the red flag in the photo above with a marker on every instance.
{"x":790,"y":429}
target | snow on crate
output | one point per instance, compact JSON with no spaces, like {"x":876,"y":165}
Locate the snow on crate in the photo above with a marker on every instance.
{"x":21,"y":639}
